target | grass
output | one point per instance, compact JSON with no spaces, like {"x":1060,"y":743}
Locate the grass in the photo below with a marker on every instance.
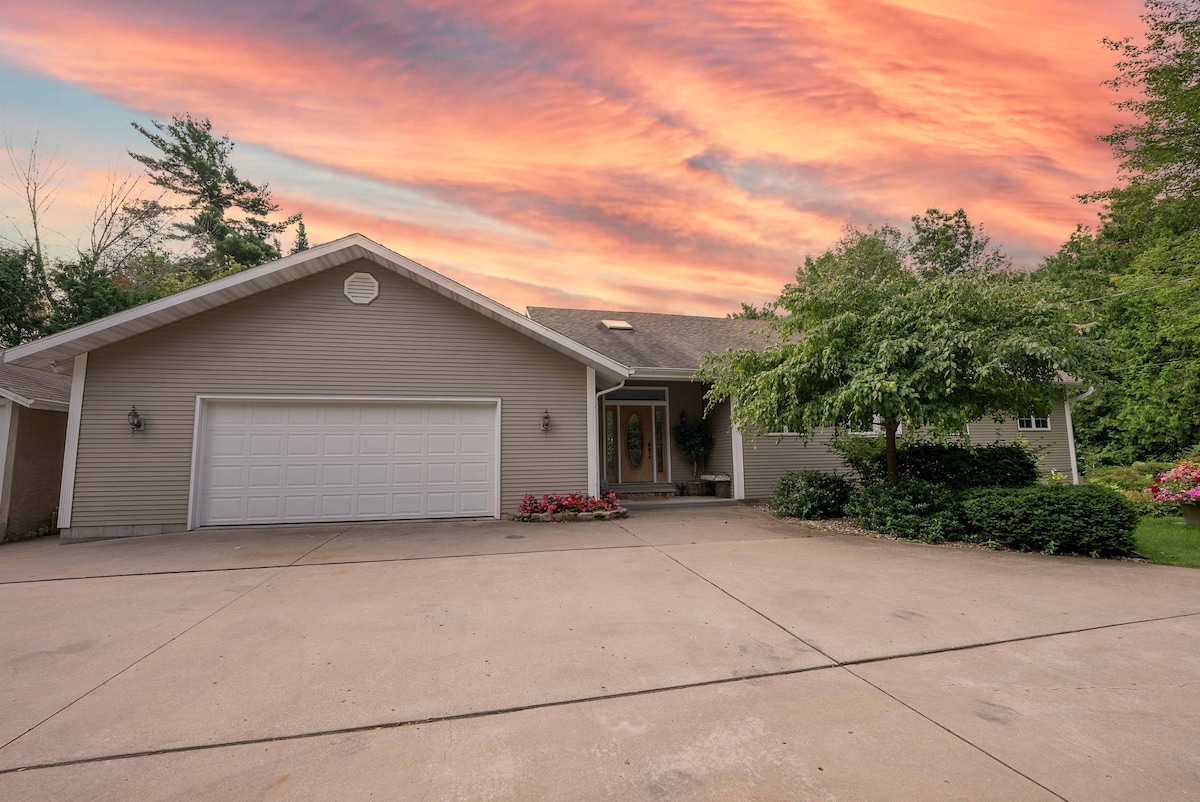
{"x":1168,"y":542}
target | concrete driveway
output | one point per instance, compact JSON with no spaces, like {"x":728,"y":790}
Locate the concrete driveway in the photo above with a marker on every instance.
{"x":691,"y":654}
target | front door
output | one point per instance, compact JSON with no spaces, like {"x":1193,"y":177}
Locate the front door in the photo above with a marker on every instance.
{"x":635,"y":444}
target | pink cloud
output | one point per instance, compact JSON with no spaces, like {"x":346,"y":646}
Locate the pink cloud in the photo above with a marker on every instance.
{"x":647,"y":156}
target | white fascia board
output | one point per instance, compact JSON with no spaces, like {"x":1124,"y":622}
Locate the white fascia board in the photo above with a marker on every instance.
{"x":140,"y":319}
{"x":33,"y":403}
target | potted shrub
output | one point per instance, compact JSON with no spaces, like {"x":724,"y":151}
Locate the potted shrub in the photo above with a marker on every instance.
{"x":696,"y":442}
{"x":1181,"y":484}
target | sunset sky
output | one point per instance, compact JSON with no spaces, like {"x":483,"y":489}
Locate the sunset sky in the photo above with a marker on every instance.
{"x":658,"y":156}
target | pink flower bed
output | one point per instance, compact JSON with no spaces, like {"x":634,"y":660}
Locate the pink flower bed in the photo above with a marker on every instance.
{"x":571,"y":502}
{"x":1181,"y":484}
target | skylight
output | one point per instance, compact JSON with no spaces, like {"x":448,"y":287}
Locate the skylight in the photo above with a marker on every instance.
{"x":617,"y":325}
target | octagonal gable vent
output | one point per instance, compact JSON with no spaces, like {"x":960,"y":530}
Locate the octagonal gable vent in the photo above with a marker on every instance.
{"x":361,"y":288}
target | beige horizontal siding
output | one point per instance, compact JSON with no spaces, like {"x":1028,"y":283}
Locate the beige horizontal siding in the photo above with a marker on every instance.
{"x":721,"y":458}
{"x":1051,"y":448}
{"x":768,"y":458}
{"x":306,"y":338}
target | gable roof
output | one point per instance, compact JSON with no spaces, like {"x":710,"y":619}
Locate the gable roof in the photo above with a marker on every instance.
{"x":37,"y":389}
{"x":65,"y":345}
{"x":665,"y":346}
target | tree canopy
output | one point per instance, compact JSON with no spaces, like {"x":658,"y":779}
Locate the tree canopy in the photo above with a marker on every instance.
{"x":1137,"y":276}
{"x":877,"y":331}
{"x":221,"y":222}
{"x":227,"y":220}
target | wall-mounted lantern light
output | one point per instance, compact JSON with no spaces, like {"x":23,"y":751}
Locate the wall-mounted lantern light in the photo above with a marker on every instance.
{"x":546,"y":421}
{"x":136,"y":421}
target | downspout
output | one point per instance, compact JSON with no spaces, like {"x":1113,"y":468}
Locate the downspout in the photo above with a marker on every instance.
{"x":1071,"y":432}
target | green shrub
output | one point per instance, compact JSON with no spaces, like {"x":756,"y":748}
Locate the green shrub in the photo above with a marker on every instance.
{"x":957,"y":466}
{"x":909,"y":508}
{"x":810,"y":495}
{"x":1069,"y":519}
{"x":1147,"y":507}
{"x":1122,"y":477}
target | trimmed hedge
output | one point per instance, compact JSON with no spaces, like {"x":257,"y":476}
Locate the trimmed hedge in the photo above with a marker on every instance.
{"x":810,"y":495}
{"x":953,"y":465}
{"x":909,"y":508}
{"x":1091,"y":520}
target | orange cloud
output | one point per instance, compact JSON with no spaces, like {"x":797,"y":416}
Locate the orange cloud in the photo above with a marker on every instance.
{"x":646,"y":156}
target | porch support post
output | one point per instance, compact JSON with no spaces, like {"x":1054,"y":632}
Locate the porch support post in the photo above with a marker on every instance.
{"x":593,"y":435}
{"x":66,"y":497}
{"x":739,"y":467}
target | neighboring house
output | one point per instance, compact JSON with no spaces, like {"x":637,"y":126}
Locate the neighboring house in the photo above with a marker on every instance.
{"x":33,"y":429}
{"x":348,"y":383}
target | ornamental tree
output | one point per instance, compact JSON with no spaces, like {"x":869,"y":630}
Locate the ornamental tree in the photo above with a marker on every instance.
{"x":870,"y":333}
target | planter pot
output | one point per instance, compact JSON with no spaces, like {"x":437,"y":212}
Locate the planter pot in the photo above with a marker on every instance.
{"x":1191,"y":514}
{"x":695,"y":488}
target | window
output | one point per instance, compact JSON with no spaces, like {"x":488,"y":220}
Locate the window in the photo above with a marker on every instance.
{"x":1029,"y":423}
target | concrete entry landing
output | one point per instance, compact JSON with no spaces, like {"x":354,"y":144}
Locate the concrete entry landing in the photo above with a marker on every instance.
{"x":705,"y":653}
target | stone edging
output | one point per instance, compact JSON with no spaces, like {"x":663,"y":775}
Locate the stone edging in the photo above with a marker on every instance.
{"x":555,"y":517}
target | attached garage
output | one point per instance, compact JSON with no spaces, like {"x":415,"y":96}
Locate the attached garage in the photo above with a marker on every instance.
{"x":277,"y":460}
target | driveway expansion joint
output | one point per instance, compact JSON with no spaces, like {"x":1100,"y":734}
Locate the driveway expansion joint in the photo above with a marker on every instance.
{"x":297,"y":564}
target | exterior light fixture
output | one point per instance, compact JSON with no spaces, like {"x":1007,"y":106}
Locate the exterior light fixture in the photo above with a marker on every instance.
{"x":136,"y":421}
{"x":546,"y":421}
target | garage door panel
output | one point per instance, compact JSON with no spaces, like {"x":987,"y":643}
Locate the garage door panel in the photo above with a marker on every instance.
{"x":371,"y":475}
{"x":373,"y":445}
{"x":301,"y":475}
{"x":442,"y":473}
{"x":442,"y":444}
{"x":260,"y":476}
{"x":303,"y":445}
{"x":337,"y":476}
{"x":300,"y":508}
{"x":304,"y":462}
{"x":338,"y":445}
{"x":267,"y":414}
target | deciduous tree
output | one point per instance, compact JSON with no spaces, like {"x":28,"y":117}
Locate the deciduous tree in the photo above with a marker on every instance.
{"x":864,"y":337}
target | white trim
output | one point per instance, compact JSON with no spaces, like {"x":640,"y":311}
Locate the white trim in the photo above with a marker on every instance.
{"x":34,"y":403}
{"x":66,"y":495}
{"x":1071,"y":433}
{"x":739,"y":467}
{"x":593,"y":435}
{"x":6,"y":415}
{"x":197,"y":428}
{"x":140,"y":319}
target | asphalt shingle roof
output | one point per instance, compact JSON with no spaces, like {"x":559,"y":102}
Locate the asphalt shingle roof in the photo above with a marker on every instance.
{"x":657,"y":341}
{"x":35,"y":385}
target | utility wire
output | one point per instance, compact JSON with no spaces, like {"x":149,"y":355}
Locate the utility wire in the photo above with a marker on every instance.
{"x":1154,"y":365}
{"x":1140,"y":289}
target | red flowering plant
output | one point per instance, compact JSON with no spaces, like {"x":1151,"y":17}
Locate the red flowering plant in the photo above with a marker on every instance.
{"x":576,"y":502}
{"x":1180,"y":484}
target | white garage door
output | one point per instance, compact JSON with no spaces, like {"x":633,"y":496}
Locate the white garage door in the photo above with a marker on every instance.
{"x":294,"y":462}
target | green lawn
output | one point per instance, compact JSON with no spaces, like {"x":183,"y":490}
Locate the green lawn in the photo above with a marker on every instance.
{"x":1169,"y":542}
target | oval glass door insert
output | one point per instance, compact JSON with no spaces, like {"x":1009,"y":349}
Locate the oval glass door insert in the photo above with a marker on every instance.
{"x":635,"y":441}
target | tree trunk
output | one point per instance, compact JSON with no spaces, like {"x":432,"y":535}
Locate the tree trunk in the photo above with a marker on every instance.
{"x":893,"y":459}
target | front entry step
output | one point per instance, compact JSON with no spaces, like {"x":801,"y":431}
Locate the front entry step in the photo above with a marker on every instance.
{"x":644,"y":490}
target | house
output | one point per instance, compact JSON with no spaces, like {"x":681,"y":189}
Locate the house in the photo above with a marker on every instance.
{"x":33,"y":429}
{"x":349,"y":383}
